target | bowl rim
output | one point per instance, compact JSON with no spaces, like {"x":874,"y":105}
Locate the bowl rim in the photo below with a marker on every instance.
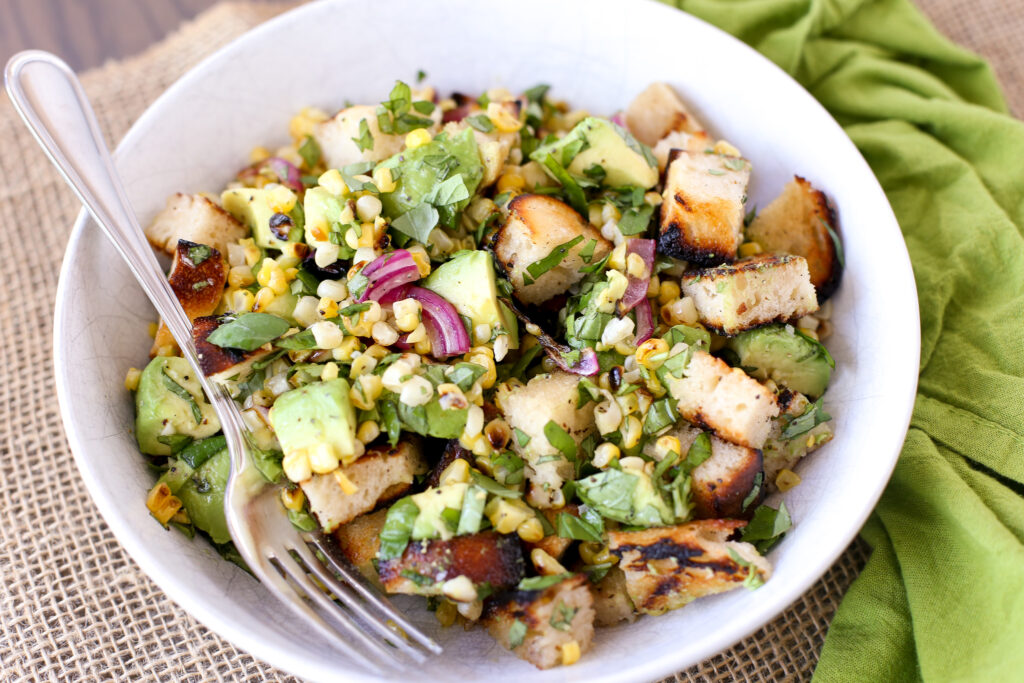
{"x":280,"y":656}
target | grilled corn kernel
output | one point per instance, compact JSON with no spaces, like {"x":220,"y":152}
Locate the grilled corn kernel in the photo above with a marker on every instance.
{"x":510,"y":182}
{"x":362,"y":365}
{"x":628,"y":403}
{"x":258,"y":154}
{"x":322,"y":458}
{"x":131,"y":379}
{"x":326,"y":254}
{"x":596,"y":553}
{"x":459,"y":589}
{"x":326,"y":334}
{"x":240,"y":276}
{"x":368,"y":207}
{"x":167,"y":350}
{"x":607,"y":416}
{"x":252,"y":252}
{"x":407,"y":315}
{"x":617,"y":260}
{"x":346,"y":349}
{"x":531,"y":530}
{"x":371,"y":385}
{"x":346,"y":485}
{"x":368,"y":431}
{"x":506,"y":515}
{"x":263,"y":298}
{"x":420,"y":258}
{"x":162,"y":504}
{"x":455,"y":473}
{"x":652,"y":353}
{"x":333,"y":289}
{"x":296,"y":465}
{"x":749,"y":249}
{"x":422,"y":347}
{"x":545,"y":564}
{"x":383,"y":179}
{"x":635,"y":266}
{"x":333,"y":182}
{"x":280,"y":199}
{"x":498,"y":433}
{"x":605,"y":455}
{"x":787,"y":479}
{"x":723,"y":147}
{"x":302,"y":123}
{"x":502,"y":118}
{"x":153,"y":327}
{"x":329,"y":372}
{"x":653,"y":286}
{"x":570,"y":653}
{"x":327,"y":308}
{"x":292,"y":499}
{"x":632,"y":430}
{"x":351,"y":238}
{"x":383,"y":333}
{"x":665,"y":445}
{"x":813,"y":334}
{"x":417,"y":138}
{"x":668,"y":292}
{"x":680,"y":312}
{"x":451,"y":397}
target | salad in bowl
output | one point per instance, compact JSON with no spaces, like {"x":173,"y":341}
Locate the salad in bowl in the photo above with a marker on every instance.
{"x":538,"y":366}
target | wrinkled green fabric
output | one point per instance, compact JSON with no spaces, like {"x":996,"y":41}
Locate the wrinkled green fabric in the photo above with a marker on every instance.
{"x":942,"y":597}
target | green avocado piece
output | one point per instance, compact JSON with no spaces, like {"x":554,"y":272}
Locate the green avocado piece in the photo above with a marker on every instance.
{"x":283,"y":306}
{"x":315,"y":414}
{"x":468,"y":282}
{"x":625,"y":495}
{"x":599,"y":142}
{"x":782,"y":354}
{"x":201,"y":492}
{"x":251,"y":207}
{"x":430,"y":523}
{"x":421,"y":172}
{"x":159,"y":411}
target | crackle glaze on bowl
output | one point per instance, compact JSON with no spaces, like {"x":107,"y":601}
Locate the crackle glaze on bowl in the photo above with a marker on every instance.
{"x":597,"y":54}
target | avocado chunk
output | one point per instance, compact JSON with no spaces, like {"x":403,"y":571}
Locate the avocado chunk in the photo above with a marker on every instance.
{"x":201,"y":491}
{"x":599,"y":142}
{"x":782,"y":354}
{"x":170,"y":401}
{"x":433,"y":521}
{"x":427,"y":174}
{"x":252,"y":207}
{"x":323,"y":214}
{"x":316,"y":416}
{"x":468,"y":282}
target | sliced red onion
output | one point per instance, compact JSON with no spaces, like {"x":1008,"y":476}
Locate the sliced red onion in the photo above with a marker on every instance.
{"x":636,"y":291}
{"x":403,"y":342}
{"x":284,"y":171}
{"x":587,"y":365}
{"x":387,"y":273}
{"x":644,"y":322}
{"x":619,"y":119}
{"x":448,"y":336}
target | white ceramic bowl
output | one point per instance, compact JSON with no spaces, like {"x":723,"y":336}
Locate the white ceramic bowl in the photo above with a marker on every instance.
{"x":596,"y":54}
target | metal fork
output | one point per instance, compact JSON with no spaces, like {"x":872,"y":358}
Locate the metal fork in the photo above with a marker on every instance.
{"x":303,"y":570}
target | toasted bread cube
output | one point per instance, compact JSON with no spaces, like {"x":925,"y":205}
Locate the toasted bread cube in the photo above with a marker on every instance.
{"x":669,"y":567}
{"x":798,"y":222}
{"x":193,"y":218}
{"x":723,"y":482}
{"x":703,"y":206}
{"x":553,"y":618}
{"x":359,"y":540}
{"x":335,"y":136}
{"x":780,"y":453}
{"x":198,"y":285}
{"x":535,"y":227}
{"x":529,"y":408}
{"x":656,"y":112}
{"x":677,"y":139}
{"x":486,"y":557}
{"x":736,"y":407}
{"x":611,"y":599}
{"x":383,"y":473}
{"x":751,"y":293}
{"x":220,"y":364}
{"x":555,"y":545}
{"x":453,"y":451}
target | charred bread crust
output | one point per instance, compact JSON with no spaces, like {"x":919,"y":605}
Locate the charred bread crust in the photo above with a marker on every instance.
{"x":672,"y":243}
{"x":555,"y":545}
{"x":720,"y":490}
{"x":214,"y":359}
{"x":484,"y":558}
{"x":453,"y":451}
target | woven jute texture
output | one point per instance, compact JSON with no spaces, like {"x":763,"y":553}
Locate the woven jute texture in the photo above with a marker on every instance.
{"x":73,"y":605}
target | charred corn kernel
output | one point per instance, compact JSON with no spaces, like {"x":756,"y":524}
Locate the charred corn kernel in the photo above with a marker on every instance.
{"x":280,"y":198}
{"x":333,"y":182}
{"x":278,"y":282}
{"x":652,"y":353}
{"x":162,"y":503}
{"x":377,"y":351}
{"x":455,"y":473}
{"x":344,"y":350}
{"x":346,"y":484}
{"x":749,"y":249}
{"x":606,"y":454}
{"x":357,"y":398}
{"x":459,"y":589}
{"x":787,"y":479}
{"x":490,"y":375}
{"x":263,"y":298}
{"x":498,"y":433}
{"x":258,"y":154}
{"x":531,"y":530}
{"x":632,"y":430}
{"x":680,"y":312}
{"x":451,"y":397}
{"x":131,"y":379}
{"x":368,"y":431}
{"x":252,"y":252}
{"x":296,"y":465}
{"x":501,"y":347}
{"x":153,"y":327}
{"x":635,"y":266}
{"x":327,"y":308}
{"x":502,"y":118}
{"x":417,"y":138}
{"x":628,"y":403}
{"x":420,"y":258}
{"x":510,"y":182}
{"x":292,"y":499}
{"x":644,"y":402}
{"x":617,"y":260}
{"x":723,"y":147}
{"x":383,"y":333}
{"x":326,"y":254}
{"x":668,"y":292}
{"x":653,"y":198}
{"x":666,"y":445}
{"x":326,"y":334}
{"x":506,"y":515}
{"x":383,"y":179}
{"x":322,"y":458}
{"x":362,"y":365}
{"x":607,"y":416}
{"x":570,"y":653}
{"x":329,"y":372}
{"x":545,"y":564}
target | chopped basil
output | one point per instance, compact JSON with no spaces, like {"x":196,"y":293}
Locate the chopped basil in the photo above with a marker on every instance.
{"x":734,"y":163}
{"x":419,"y":579}
{"x":248,"y":331}
{"x":493,"y":487}
{"x":749,"y":218}
{"x":309,"y":150}
{"x":835,"y":242}
{"x":390,"y":420}
{"x":450,"y":516}
{"x":767,"y":527}
{"x":202,"y":284}
{"x":352,"y":310}
{"x":596,"y":572}
{"x":661,"y":414}
{"x":715,"y":171}
{"x":522,"y":438}
{"x":365,"y":139}
{"x":570,"y":151}
{"x":595,"y":172}
{"x":472,"y":511}
{"x":481,"y":122}
{"x":184,"y":394}
{"x":538,"y":268}
{"x":425,"y":107}
{"x":539,"y":583}
{"x":464,"y":375}
{"x":753,"y":580}
{"x":561,"y":440}
{"x":537,"y":93}
{"x":420,"y":75}
{"x":175,"y":442}
{"x":580,"y":529}
{"x":418,"y":222}
{"x":302,"y":520}
{"x":516,"y":634}
{"x":587,"y":252}
{"x":691,"y":336}
{"x":451,"y":191}
{"x":267,"y":463}
{"x":812,"y":416}
{"x":573,"y":191}
{"x":561,"y":617}
{"x":349,"y":173}
{"x":755,"y":491}
{"x":297,"y":342}
{"x":201,"y":451}
{"x":394,"y":117}
{"x":636,"y":221}
{"x":199,"y":253}
{"x":700,"y":450}
{"x":588,"y":391}
{"x":397,"y":530}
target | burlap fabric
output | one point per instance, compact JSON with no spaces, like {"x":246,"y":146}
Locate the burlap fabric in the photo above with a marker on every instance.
{"x":73,"y":605}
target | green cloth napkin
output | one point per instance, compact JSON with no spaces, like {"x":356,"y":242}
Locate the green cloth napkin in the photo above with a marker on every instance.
{"x":942,"y":597}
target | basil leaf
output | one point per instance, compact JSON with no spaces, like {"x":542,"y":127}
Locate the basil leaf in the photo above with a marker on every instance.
{"x":425,"y":107}
{"x":397,"y":530}
{"x":557,"y":255}
{"x":184,"y":394}
{"x":539,"y":583}
{"x":767,"y":527}
{"x":691,"y":336}
{"x":199,"y":253}
{"x":175,"y":442}
{"x":700,"y":450}
{"x":755,"y":491}
{"x":561,"y":440}
{"x":595,"y":172}
{"x":753,"y":580}
{"x":636,"y":221}
{"x":201,"y":451}
{"x":562,"y":616}
{"x":267,"y":463}
{"x":573,"y":191}
{"x":249,"y":331}
{"x":661,"y":414}
{"x":390,"y":421}
{"x":481,"y":122}
{"x":302,"y":520}
{"x":417,"y":578}
{"x":309,"y":150}
{"x":493,"y":487}
{"x":418,"y":222}
{"x":812,"y":416}
{"x":609,"y":492}
{"x":451,"y":191}
{"x":516,"y":634}
{"x":365,"y":139}
{"x":570,"y":526}
{"x":537,"y":93}
{"x":587,"y":252}
{"x":297,"y":342}
{"x":522,"y":438}
{"x":472,"y":511}
{"x":464,"y":375}
{"x":836,"y":243}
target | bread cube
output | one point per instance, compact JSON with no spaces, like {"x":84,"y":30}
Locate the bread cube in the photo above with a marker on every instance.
{"x":656,"y":112}
{"x":198,"y":284}
{"x":194,"y":218}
